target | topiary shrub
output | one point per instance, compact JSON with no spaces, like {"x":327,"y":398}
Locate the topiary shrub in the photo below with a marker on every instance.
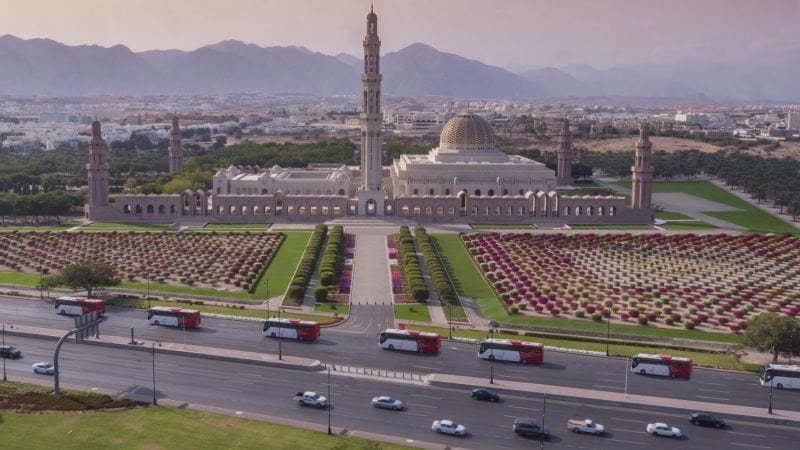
{"x":297,"y":292}
{"x":688,"y":324}
{"x":321,"y":294}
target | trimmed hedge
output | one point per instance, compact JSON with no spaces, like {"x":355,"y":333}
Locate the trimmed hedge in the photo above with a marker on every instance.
{"x":407,"y":256}
{"x":330,"y":269}
{"x":299,"y":284}
{"x":441,"y":282}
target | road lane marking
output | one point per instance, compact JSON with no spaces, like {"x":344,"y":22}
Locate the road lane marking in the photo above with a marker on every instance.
{"x":421,"y":405}
{"x":461,"y":349}
{"x":711,"y":384}
{"x":714,"y":390}
{"x":426,"y":396}
{"x":425,"y":367}
{"x":749,"y":445}
{"x":629,"y":420}
{"x":629,"y":442}
{"x":714,"y":398}
{"x":607,"y":387}
{"x":610,"y":380}
{"x":747,"y":434}
{"x":415,"y":414}
{"x":629,"y":431}
{"x":229,"y":389}
{"x":511,"y":376}
{"x":524,"y":407}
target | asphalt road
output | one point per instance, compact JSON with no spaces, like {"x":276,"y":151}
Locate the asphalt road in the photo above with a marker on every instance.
{"x":355,"y":344}
{"x":264,"y":390}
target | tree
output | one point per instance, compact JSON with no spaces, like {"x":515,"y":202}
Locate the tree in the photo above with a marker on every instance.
{"x":47,"y":283}
{"x":88,"y":275}
{"x":775,"y":333}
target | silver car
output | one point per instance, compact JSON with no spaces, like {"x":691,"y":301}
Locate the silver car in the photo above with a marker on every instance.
{"x":44,"y":368}
{"x":662,"y":429}
{"x":386,"y":402}
{"x":449,"y":427}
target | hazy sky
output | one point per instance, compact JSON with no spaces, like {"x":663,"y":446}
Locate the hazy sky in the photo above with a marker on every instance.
{"x":503,"y":32}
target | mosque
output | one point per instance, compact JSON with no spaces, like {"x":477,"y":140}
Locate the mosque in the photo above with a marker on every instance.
{"x":466,"y":179}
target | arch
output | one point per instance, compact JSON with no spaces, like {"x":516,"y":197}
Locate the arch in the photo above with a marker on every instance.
{"x":264,"y":191}
{"x":416,"y":211}
{"x":245,"y":210}
{"x":404,"y":210}
{"x":371,"y":207}
{"x":577,"y":210}
{"x":126,"y":209}
{"x":447,"y":191}
{"x":601,"y":210}
{"x":612,"y":211}
{"x":509,"y":210}
{"x":477,"y":192}
{"x":415,"y":192}
{"x":256,"y":210}
{"x":172,"y":209}
{"x":505,"y":191}
{"x":567,"y":211}
{"x":431,"y":192}
{"x":150,"y":209}
{"x":521,"y":192}
{"x":341,"y":191}
{"x":301,"y":210}
{"x":219,"y":190}
{"x":221,"y":210}
{"x":232,"y":210}
{"x":486,"y":211}
{"x":521,"y":211}
{"x":440,"y":211}
{"x":138,"y":209}
{"x":428,"y":211}
{"x":462,"y":197}
{"x":162,"y":209}
{"x":590,"y":210}
{"x":497,"y":210}
{"x":490,"y":193}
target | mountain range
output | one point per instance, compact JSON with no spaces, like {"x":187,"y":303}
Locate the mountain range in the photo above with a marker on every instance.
{"x":48,"y":68}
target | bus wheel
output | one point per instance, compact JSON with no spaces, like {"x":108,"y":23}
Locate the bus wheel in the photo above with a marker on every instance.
{"x":642,"y":372}
{"x":62,"y":312}
{"x":491,"y":357}
{"x":299,"y":338}
{"x":391,"y":347}
{"x":779,"y":385}
{"x":524,"y":361}
{"x":272,"y":335}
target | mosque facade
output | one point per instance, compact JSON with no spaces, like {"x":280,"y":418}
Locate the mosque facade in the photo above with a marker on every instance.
{"x":466,"y":179}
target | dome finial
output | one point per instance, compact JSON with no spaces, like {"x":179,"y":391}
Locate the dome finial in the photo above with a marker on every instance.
{"x":371,"y":6}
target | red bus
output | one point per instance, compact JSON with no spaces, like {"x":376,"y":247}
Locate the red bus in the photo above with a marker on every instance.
{"x":176,"y":317}
{"x":409,"y":340}
{"x":302,"y":330}
{"x":511,"y":350}
{"x":663,"y":365}
{"x":76,"y":306}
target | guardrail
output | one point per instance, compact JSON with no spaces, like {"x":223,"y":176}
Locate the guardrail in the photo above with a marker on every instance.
{"x":385,"y":373}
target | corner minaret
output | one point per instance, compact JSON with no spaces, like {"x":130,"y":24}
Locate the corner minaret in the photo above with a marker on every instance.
{"x":642,"y":170}
{"x":564,"y":168}
{"x":371,"y":146}
{"x":175,"y":148}
{"x":97,"y":169}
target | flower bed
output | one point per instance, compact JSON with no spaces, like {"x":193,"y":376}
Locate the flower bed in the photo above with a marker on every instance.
{"x":230,"y":261}
{"x":712,"y":282}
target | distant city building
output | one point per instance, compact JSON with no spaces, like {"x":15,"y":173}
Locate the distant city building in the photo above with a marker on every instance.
{"x":698,"y":119}
{"x":793,"y":120}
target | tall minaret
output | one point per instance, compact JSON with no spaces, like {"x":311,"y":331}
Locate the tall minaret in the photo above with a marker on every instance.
{"x":97,"y":168}
{"x":175,"y":148}
{"x":564,"y":168}
{"x":642,"y":170}
{"x":371,"y":146}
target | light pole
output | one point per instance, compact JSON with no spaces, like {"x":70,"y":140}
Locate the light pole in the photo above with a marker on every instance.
{"x":791,"y":340}
{"x":544,"y":409}
{"x":450,"y":317}
{"x":148,"y":289}
{"x":771,"y":382}
{"x":280,"y":350}
{"x":41,"y":282}
{"x":626,"y":376}
{"x":608,"y":332}
{"x":330,"y":400}
{"x":155,"y":402}
{"x":4,"y":360}
{"x":491,"y":359}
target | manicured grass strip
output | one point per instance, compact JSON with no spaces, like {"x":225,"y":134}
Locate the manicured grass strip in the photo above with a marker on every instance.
{"x":165,"y":428}
{"x":414,"y":311}
{"x":62,"y":227}
{"x":689,"y":225}
{"x":107,"y":226}
{"x":588,"y":184}
{"x":500,"y":226}
{"x":470,"y":283}
{"x":454,"y":309}
{"x":751,"y":217}
{"x":212,"y":309}
{"x":706,"y":359}
{"x":671,"y":215}
{"x":611,"y":227}
{"x":237,"y":226}
{"x":332,"y":308}
{"x":31,"y":397}
{"x":19,"y":278}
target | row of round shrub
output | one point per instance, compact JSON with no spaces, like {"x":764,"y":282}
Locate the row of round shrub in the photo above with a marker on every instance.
{"x":299,"y":284}
{"x":407,"y":256}
{"x":441,"y":282}
{"x":330,"y":269}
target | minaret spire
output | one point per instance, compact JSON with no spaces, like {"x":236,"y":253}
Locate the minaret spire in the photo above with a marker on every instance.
{"x":642,"y":170}
{"x":371,"y":145}
{"x":97,"y":170}
{"x":564,"y":168}
{"x":175,"y":151}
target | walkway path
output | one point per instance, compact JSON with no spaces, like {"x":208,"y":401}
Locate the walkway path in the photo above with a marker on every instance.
{"x":748,"y":198}
{"x":371,"y":296}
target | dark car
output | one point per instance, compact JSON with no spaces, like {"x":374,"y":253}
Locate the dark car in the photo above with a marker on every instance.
{"x":7,"y":351}
{"x":485,"y":395}
{"x":530,"y":428}
{"x":706,"y":420}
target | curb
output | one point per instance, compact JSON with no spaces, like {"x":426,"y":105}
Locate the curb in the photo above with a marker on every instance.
{"x":312,"y":365}
{"x":432,"y":381}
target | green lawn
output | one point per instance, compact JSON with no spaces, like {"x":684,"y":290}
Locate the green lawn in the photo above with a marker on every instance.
{"x":211,"y":309}
{"x":750,"y":217}
{"x":611,"y":227}
{"x":470,"y":283}
{"x":63,"y":227}
{"x":500,"y":226}
{"x":232,"y":227}
{"x":588,"y":184}
{"x":108,"y":226}
{"x":671,"y":215}
{"x":333,"y":308}
{"x":454,"y":309}
{"x":414,"y":311}
{"x":707,"y":359}
{"x":164,"y":428}
{"x":19,"y":278}
{"x":689,"y":225}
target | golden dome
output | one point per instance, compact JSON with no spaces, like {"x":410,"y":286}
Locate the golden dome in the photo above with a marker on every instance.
{"x":467,"y":131}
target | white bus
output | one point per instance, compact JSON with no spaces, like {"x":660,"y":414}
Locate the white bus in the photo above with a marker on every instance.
{"x":76,"y":306}
{"x":781,"y":376}
{"x":176,"y":317}
{"x":511,"y":350}
{"x":663,"y":365}
{"x":409,"y":340}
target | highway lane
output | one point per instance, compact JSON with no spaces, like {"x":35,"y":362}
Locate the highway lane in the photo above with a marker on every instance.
{"x":264,"y":390}
{"x":355,"y":345}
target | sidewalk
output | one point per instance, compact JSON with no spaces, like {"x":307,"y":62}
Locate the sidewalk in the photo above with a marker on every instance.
{"x":172,"y":348}
{"x":791,"y":418}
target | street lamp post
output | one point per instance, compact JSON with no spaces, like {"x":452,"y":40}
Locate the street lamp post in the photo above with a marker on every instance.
{"x":450,"y":317}
{"x":544,"y":409}
{"x":770,"y":396}
{"x":148,"y":290}
{"x":280,"y":350}
{"x":41,"y":282}
{"x":155,"y":402}
{"x":491,"y":359}
{"x":330,"y":400}
{"x":791,"y":340}
{"x":626,"y":376}
{"x":608,"y":332}
{"x":4,"y":360}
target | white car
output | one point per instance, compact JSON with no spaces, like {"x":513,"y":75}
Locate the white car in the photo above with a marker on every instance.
{"x":449,"y":427}
{"x":662,"y":429}
{"x":44,"y":367}
{"x":386,"y":402}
